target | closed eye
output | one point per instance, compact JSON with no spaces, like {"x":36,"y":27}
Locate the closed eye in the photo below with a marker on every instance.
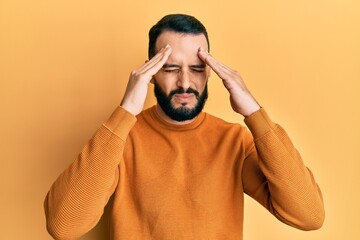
{"x":170,"y":70}
{"x":200,"y":70}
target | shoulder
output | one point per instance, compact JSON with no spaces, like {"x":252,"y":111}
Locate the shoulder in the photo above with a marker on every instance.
{"x":217,"y":121}
{"x":221,"y":125}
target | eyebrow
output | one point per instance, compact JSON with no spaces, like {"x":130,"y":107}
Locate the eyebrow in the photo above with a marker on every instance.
{"x":177,"y":66}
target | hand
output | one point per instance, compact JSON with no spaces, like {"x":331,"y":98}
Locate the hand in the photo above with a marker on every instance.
{"x":240,"y":97}
{"x":136,"y":90}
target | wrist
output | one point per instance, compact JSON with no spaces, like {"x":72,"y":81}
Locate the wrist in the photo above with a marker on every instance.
{"x":128,"y":107}
{"x":246,"y":106}
{"x":256,"y":107}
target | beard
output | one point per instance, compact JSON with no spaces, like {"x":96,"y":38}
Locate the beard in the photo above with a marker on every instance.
{"x":181,"y":113}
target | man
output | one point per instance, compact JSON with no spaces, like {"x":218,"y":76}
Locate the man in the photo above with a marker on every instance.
{"x":173,"y":171}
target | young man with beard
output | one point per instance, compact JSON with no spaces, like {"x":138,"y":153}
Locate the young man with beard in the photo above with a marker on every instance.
{"x":173,"y":171}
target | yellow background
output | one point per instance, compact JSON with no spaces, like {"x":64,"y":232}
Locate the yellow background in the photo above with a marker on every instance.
{"x":64,"y":66}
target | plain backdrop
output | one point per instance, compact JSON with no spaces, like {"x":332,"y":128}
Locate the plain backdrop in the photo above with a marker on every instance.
{"x":64,"y":66}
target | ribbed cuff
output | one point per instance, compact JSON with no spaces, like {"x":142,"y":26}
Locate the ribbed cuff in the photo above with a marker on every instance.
{"x":259,"y":123}
{"x":120,"y":122}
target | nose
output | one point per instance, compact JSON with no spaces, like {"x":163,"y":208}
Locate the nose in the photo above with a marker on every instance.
{"x":183,"y":80}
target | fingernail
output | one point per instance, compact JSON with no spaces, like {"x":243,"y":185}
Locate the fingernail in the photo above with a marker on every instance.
{"x":167,"y":46}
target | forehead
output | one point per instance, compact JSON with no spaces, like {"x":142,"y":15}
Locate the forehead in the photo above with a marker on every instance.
{"x":184,"y":46}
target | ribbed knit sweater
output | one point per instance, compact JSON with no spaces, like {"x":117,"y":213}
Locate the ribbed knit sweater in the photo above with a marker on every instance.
{"x":187,"y":181}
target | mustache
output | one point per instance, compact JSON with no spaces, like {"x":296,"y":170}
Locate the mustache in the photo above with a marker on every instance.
{"x":182,"y":90}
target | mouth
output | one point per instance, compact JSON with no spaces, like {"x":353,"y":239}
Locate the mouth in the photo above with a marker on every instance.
{"x":183,"y":98}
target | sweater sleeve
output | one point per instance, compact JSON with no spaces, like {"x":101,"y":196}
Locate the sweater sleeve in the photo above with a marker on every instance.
{"x":274,"y":174}
{"x":77,"y":198}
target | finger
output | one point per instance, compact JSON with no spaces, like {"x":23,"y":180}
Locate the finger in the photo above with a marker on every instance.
{"x":220,"y":69}
{"x":208,"y":59}
{"x":159,"y":64}
{"x":150,"y":62}
{"x":158,"y":57}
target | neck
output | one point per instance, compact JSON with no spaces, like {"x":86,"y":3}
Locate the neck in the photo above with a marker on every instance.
{"x":167,"y":119}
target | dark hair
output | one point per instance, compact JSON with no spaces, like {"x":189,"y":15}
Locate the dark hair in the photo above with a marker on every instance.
{"x":179,"y":23}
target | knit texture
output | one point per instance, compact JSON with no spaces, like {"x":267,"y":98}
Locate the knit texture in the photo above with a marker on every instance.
{"x":182,"y":181}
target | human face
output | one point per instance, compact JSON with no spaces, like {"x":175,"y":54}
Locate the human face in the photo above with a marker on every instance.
{"x":181,"y":83}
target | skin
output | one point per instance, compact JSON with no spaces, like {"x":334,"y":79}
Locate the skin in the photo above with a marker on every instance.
{"x":183,"y":61}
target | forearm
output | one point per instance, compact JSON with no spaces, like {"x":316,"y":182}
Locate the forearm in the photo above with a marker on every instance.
{"x":77,"y":198}
{"x":290,"y":191}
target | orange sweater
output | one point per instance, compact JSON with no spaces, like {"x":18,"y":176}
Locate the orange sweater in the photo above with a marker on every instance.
{"x":182,"y":182}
